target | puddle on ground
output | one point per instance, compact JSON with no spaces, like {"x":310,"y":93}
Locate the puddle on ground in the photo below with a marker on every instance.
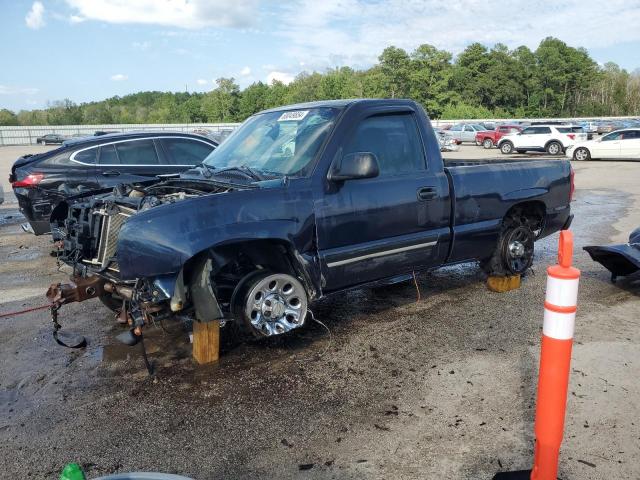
{"x":24,"y":254}
{"x":11,"y":217}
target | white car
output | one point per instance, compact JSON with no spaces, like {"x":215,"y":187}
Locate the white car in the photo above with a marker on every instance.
{"x":623,"y":143}
{"x":553,"y":139}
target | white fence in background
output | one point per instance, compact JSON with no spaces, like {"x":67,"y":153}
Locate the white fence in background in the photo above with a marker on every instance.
{"x":28,"y":135}
{"x":442,"y":123}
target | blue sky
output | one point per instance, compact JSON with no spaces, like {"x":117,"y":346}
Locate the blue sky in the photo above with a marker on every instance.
{"x":93,"y":49}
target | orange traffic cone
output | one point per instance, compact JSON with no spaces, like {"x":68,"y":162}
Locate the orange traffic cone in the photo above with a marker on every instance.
{"x":555,"y":357}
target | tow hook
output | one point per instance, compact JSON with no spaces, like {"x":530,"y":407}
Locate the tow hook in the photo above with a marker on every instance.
{"x":66,"y":339}
{"x":78,"y":290}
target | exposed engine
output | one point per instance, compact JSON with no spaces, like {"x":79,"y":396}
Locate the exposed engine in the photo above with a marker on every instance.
{"x":86,"y":233}
{"x":89,"y":233}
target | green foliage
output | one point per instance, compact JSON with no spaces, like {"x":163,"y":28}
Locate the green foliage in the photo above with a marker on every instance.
{"x":464,"y":110}
{"x":553,"y":80}
{"x":7,"y":117}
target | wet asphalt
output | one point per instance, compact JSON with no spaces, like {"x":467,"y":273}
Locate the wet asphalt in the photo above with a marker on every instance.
{"x":439,"y":388}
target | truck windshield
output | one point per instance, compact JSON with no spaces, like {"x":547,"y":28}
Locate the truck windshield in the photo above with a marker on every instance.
{"x":278,"y":143}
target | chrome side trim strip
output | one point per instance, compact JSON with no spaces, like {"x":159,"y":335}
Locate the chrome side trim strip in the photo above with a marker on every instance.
{"x":381,"y":254}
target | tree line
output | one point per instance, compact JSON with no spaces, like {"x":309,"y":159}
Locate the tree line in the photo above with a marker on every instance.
{"x":555,"y":80}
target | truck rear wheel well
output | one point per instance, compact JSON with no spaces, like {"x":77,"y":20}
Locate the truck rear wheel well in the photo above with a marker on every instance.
{"x":532,"y":213}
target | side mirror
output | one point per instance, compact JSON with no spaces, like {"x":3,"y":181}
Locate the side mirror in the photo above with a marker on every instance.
{"x":354,"y":166}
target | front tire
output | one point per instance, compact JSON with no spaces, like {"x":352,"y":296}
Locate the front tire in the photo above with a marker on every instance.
{"x":269,"y":304}
{"x":487,"y":143}
{"x":506,"y":148}
{"x":581,"y":154}
{"x":554,"y":148}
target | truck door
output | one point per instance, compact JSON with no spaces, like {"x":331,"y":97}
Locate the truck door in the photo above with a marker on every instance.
{"x":369,"y":229}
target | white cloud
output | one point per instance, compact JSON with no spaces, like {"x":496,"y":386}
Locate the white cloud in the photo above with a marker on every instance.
{"x":354,"y":32}
{"x":119,"y":77}
{"x":245,"y":71}
{"x":76,"y":19}
{"x":201,"y":81}
{"x":7,"y":90}
{"x":141,"y":45}
{"x":35,"y":16}
{"x":283,"y":77}
{"x":190,"y":14}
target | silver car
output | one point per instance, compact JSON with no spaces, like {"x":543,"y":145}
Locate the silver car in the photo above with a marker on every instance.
{"x":466,"y":132}
{"x":446,"y":142}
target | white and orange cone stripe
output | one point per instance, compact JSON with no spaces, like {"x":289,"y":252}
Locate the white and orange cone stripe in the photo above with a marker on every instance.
{"x":555,"y":358}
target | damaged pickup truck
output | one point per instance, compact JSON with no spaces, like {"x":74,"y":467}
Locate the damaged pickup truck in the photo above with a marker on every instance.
{"x":301,"y":202}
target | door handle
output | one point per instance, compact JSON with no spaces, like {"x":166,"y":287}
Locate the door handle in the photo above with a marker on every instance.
{"x":427,"y":193}
{"x":110,"y":173}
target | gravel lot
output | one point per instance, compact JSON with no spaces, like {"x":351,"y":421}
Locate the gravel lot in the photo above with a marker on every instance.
{"x":441,"y":388}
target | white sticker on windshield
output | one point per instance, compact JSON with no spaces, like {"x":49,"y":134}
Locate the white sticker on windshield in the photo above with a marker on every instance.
{"x":293,"y":116}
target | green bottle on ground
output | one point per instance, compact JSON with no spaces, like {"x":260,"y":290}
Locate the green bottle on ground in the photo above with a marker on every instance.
{"x":72,"y":472}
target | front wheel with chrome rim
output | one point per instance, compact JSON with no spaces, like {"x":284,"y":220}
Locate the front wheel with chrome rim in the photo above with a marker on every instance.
{"x":581,"y":154}
{"x":272,"y":304}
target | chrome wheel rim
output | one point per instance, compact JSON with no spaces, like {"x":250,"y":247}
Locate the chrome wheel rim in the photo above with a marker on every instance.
{"x":276,"y":304}
{"x":488,"y":144}
{"x":506,"y":148}
{"x":554,"y":149}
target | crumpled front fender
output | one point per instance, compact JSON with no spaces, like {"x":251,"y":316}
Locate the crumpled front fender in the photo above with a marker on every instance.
{"x":620,"y":260}
{"x":158,"y":242}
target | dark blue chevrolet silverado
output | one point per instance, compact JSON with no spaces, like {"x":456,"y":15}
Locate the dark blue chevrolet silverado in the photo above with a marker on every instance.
{"x":301,"y":202}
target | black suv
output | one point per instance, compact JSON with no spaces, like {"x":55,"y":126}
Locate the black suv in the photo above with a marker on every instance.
{"x":41,"y":181}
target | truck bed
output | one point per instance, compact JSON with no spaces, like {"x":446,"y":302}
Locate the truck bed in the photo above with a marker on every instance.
{"x":483,"y":192}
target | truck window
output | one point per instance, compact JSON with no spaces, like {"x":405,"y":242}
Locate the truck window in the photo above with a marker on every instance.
{"x":281,"y":142}
{"x":395,"y":141}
